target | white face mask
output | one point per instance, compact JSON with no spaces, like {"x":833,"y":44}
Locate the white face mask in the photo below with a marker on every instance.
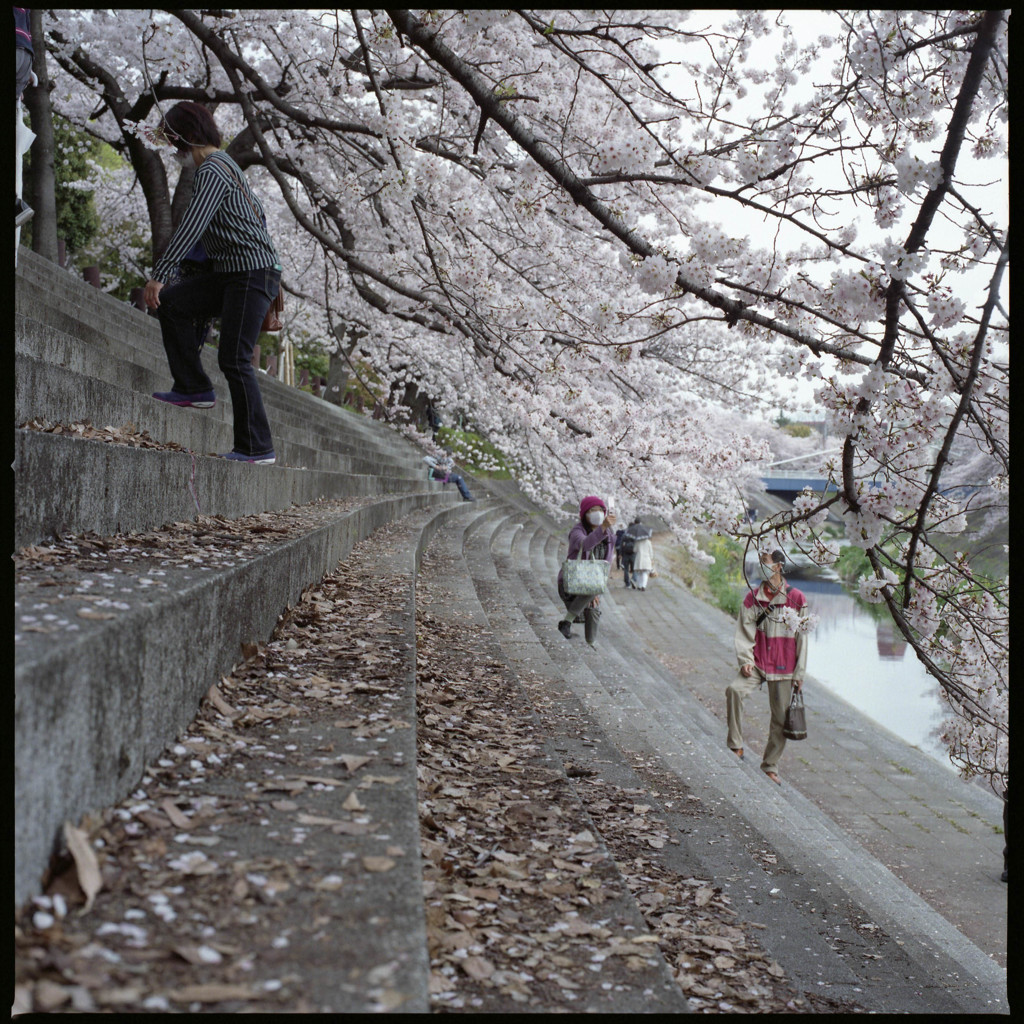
{"x":595,"y":517}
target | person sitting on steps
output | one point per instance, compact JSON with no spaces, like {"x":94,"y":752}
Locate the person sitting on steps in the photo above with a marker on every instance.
{"x":443,"y":469}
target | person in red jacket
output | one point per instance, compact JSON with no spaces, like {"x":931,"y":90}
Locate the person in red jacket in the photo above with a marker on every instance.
{"x":768,"y":649}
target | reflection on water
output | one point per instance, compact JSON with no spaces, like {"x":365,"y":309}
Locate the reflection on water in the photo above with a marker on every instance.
{"x":867,"y":663}
{"x":891,"y":644}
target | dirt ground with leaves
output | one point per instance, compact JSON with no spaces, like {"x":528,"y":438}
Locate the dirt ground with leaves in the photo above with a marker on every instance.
{"x":532,"y":871}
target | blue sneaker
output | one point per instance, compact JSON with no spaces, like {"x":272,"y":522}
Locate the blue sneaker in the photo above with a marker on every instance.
{"x":264,"y":460}
{"x":199,"y":400}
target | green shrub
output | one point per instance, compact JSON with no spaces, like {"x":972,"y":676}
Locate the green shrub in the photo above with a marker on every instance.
{"x":725,"y":576}
{"x":852,"y":564}
{"x":477,"y":455}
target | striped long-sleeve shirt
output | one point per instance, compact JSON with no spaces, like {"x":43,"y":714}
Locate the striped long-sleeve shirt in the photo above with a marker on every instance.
{"x":22,"y":29}
{"x":226,"y":216}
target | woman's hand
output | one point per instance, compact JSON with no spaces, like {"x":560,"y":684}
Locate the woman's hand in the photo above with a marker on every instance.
{"x":152,"y":294}
{"x":609,"y":520}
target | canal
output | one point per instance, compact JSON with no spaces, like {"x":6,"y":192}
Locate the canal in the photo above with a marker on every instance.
{"x":867,"y":662}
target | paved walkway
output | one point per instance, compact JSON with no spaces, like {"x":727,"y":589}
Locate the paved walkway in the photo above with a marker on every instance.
{"x":941,"y":836}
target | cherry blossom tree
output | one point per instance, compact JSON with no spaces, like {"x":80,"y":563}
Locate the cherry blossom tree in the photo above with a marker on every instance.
{"x":600,"y":235}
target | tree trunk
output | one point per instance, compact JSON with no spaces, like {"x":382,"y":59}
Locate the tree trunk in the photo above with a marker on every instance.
{"x":337,"y":379}
{"x":153,"y":179}
{"x":338,"y":369}
{"x":39,"y":189}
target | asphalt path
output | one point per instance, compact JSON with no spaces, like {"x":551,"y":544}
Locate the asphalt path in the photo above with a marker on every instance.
{"x":939,"y":835}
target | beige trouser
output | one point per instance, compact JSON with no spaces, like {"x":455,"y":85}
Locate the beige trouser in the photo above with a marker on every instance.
{"x":780,"y":692}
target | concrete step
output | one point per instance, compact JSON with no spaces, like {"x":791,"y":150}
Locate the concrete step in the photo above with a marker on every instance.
{"x":111,"y":665}
{"x":66,"y":485}
{"x":643,"y":707}
{"x":59,"y":377}
{"x":56,"y":300}
{"x":651,"y":988}
{"x":57,"y":395}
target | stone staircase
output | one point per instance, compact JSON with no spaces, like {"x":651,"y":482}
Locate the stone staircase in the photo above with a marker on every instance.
{"x":100,"y":695}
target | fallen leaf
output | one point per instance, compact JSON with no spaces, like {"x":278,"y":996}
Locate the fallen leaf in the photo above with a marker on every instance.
{"x":285,"y":786}
{"x":212,"y":993}
{"x":353,"y":761}
{"x":178,"y":820}
{"x":195,"y":954}
{"x":213,"y":695}
{"x":703,"y":896}
{"x":89,"y":877}
{"x":352,"y":803}
{"x":118,"y":996}
{"x":378,"y":863}
{"x":386,"y":780}
{"x":90,"y":613}
{"x":477,"y":967}
{"x":314,"y":819}
{"x":49,"y":996}
{"x":352,"y":828}
{"x":330,"y":883}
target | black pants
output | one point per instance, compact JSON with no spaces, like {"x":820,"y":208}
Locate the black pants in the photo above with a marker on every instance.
{"x":241,"y":301}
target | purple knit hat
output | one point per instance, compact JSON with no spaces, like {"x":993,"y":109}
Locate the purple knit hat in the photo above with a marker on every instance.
{"x":591,"y":502}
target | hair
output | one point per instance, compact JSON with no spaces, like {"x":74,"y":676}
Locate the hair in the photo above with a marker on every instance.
{"x":189,"y":124}
{"x":778,"y":557}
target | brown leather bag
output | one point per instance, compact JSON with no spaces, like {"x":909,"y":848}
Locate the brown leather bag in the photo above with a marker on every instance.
{"x":795,"y":727}
{"x":272,"y":321}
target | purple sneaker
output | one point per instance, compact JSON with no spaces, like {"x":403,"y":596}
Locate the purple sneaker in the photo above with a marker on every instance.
{"x":199,"y":400}
{"x":264,"y":460}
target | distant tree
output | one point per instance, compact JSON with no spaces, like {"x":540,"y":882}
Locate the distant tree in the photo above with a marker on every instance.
{"x":74,"y":154}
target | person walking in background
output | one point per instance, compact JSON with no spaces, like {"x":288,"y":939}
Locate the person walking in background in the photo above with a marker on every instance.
{"x":770,"y":650}
{"x":225,"y":215}
{"x":618,"y":547}
{"x":643,"y":556}
{"x":591,"y":537}
{"x":627,"y":549}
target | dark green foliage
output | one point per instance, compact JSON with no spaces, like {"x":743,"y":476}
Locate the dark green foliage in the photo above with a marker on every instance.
{"x":77,"y":220}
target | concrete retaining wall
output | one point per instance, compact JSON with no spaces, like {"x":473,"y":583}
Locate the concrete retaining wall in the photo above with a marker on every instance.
{"x":89,"y":714}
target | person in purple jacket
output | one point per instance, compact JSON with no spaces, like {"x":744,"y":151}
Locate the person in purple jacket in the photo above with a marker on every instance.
{"x":768,"y":650}
{"x":594,"y":535}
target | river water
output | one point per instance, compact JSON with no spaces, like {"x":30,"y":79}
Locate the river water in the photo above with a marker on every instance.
{"x":867,"y":663}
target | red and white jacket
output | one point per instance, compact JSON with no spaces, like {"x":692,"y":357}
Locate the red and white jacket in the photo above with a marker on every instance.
{"x":771,"y":647}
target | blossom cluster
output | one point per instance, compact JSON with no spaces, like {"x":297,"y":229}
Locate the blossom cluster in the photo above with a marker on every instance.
{"x":543,"y":321}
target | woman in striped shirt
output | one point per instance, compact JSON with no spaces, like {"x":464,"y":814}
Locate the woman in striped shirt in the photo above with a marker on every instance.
{"x":244,"y":277}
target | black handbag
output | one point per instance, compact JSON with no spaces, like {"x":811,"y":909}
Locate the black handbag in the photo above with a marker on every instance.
{"x":795,"y":726}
